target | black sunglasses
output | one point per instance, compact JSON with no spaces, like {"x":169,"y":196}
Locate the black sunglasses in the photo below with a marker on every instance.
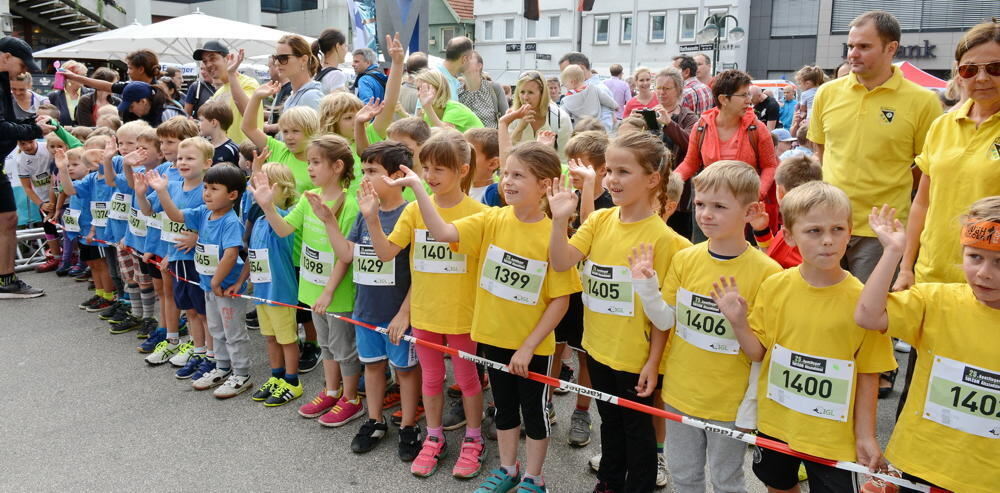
{"x":282,"y":59}
{"x":969,"y":70}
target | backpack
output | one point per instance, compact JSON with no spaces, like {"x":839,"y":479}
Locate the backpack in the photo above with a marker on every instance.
{"x":751,"y":134}
{"x":378,"y":76}
{"x":322,"y":73}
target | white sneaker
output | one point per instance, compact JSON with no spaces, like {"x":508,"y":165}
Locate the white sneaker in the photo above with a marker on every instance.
{"x":234,"y":386}
{"x":162,"y":353}
{"x":211,"y":379}
{"x":662,"y":475}
{"x":902,"y":347}
{"x":595,"y":462}
{"x":183,"y":354}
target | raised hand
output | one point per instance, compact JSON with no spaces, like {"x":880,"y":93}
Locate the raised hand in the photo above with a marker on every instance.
{"x":110,"y":150}
{"x":369,"y":110}
{"x":46,"y":124}
{"x":234,"y":60}
{"x":547,"y":137}
{"x":410,"y":179}
{"x":889,"y":230}
{"x":139,"y":183}
{"x":517,"y":113}
{"x":582,"y":173}
{"x":259,"y":159}
{"x":562,"y":200}
{"x":135,"y":157}
{"x":367,"y":199}
{"x":322,"y":211}
{"x":267,"y":90}
{"x":426,"y":94}
{"x":262,"y":190}
{"x":60,"y":158}
{"x":726,"y":296}
{"x":641,"y":261}
{"x":759,"y":218}
{"x":156,"y":181}
{"x":396,"y":50}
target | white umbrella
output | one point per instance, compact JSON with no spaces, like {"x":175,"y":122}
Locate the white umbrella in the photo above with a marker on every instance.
{"x":173,"y":40}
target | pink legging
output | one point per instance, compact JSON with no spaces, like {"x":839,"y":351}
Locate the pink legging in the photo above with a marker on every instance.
{"x":432,"y":363}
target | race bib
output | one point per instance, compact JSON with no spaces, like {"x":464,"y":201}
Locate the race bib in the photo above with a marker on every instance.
{"x":435,"y":256}
{"x":608,"y":289}
{"x":369,"y":270}
{"x":811,"y":385}
{"x":155,"y":221}
{"x":260,"y":267}
{"x":171,"y":230}
{"x":99,"y":214}
{"x":137,"y":222}
{"x":120,"y":205}
{"x":206,"y":258}
{"x":71,"y":220}
{"x":700,"y":323}
{"x":512,"y":277}
{"x":316,"y":265}
{"x":42,"y":180}
{"x":964,"y":397}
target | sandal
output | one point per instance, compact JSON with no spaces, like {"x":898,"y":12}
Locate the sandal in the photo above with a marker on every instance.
{"x":890,"y":377}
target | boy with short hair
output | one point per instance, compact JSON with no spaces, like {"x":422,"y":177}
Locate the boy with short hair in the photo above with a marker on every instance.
{"x":34,"y":169}
{"x":411,"y":132}
{"x":793,"y":171}
{"x":218,"y":264}
{"x":487,"y":146}
{"x":214,"y":120}
{"x":818,"y":388}
{"x":706,"y":375}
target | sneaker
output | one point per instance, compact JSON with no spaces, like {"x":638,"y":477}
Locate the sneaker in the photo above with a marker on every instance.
{"x":127,"y":325}
{"x":595,"y":463}
{"x":63,"y":270}
{"x":579,"y":428}
{"x":123,"y":314}
{"x":368,"y":436}
{"x":89,"y":302}
{"x":409,"y":443}
{"x":527,"y":485}
{"x":162,"y":353}
{"x":50,"y":265}
{"x":566,"y":375}
{"x":191,"y":367}
{"x":431,"y":453}
{"x":662,"y":476}
{"x":265,"y":390}
{"x":498,"y":481}
{"x":110,"y":312}
{"x":206,"y":366}
{"x":342,"y":413}
{"x":470,"y":459}
{"x":251,"y":320}
{"x":309,"y":354}
{"x":100,"y":306}
{"x":454,"y":417}
{"x":550,"y":412}
{"x":319,"y":405}
{"x":159,"y":335}
{"x":211,"y":379}
{"x":397,"y":417}
{"x":234,"y":386}
{"x":902,"y":347}
{"x":392,"y":398}
{"x":183,"y":354}
{"x":489,"y":425}
{"x":148,"y":326}
{"x":78,"y":270}
{"x":283,"y":394}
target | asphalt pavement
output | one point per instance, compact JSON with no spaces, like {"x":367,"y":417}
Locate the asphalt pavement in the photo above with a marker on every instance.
{"x":82,"y":411}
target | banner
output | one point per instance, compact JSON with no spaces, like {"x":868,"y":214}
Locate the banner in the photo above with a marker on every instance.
{"x":363,"y":23}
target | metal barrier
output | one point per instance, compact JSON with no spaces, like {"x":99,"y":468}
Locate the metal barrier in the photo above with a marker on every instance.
{"x":30,"y":251}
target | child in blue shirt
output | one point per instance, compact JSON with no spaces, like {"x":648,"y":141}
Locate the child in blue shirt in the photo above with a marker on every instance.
{"x":218,"y":262}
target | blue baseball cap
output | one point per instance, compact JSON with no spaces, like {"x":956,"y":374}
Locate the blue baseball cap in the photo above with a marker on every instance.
{"x":782,"y":135}
{"x":133,"y":92}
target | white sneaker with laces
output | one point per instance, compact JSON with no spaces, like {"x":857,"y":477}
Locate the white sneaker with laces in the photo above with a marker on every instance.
{"x":162,"y":353}
{"x":234,"y":386}
{"x":211,"y":379}
{"x":183,"y":354}
{"x":662,"y":476}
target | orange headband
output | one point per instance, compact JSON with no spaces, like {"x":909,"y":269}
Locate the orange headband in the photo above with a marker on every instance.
{"x":982,"y":234}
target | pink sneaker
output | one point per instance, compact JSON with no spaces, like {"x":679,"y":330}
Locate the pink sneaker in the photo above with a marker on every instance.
{"x":426,"y":463}
{"x":344,"y":412}
{"x":470,"y":459}
{"x":319,"y":406}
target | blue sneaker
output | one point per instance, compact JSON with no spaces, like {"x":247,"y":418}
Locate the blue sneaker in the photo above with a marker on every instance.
{"x":157,"y":336}
{"x":527,"y":485}
{"x":206,"y":366}
{"x":191,"y":367}
{"x":498,"y":481}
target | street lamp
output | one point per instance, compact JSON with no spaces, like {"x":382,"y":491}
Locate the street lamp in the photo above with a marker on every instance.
{"x":713,"y":31}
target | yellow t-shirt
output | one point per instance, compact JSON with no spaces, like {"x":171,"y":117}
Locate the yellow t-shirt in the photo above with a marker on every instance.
{"x":814,"y":353}
{"x":870,"y":139}
{"x":963,"y":163}
{"x":516,"y":282}
{"x":225,"y":95}
{"x":707,"y":373}
{"x":959,"y":367}
{"x":443,"y":286}
{"x":615,"y":328}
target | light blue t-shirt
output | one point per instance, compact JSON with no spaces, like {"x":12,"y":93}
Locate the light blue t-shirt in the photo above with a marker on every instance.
{"x":270,"y":257}
{"x":183,"y":199}
{"x":93,"y":188}
{"x":153,"y":242}
{"x":116,"y":228}
{"x":453,"y":82}
{"x":79,"y":204}
{"x":308,"y":95}
{"x":215,"y":236}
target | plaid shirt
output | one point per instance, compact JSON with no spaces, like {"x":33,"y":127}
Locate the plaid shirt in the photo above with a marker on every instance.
{"x":697,"y":96}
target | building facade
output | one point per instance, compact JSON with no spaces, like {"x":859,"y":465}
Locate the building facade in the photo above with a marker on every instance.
{"x":510,"y":44}
{"x":447,"y":19}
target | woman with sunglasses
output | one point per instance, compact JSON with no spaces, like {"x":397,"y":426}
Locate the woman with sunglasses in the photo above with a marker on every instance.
{"x":545,"y":115}
{"x":960,"y":164}
{"x":296,"y":63}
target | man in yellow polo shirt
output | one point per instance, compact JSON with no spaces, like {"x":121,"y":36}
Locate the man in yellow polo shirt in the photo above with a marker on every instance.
{"x":224,"y":66}
{"x":869,"y":127}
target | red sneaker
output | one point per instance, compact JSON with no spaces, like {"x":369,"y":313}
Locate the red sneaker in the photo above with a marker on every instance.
{"x":319,"y":406}
{"x":50,"y":265}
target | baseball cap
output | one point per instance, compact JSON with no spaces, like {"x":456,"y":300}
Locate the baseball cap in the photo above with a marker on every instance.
{"x":133,"y":92}
{"x":20,"y":49}
{"x":214,"y":46}
{"x":783,"y":135}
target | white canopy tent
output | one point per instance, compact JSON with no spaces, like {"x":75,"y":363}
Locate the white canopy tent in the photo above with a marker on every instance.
{"x":173,"y":40}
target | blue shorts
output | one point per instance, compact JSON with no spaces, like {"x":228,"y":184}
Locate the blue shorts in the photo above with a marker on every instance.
{"x":187,"y":296}
{"x":375,"y":346}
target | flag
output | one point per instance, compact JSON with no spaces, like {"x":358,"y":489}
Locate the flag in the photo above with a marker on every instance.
{"x":362,"y":14}
{"x":585,"y":5}
{"x":531,"y":9}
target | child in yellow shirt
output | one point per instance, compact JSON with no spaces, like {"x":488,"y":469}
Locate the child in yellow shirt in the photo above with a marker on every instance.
{"x":949,"y":431}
